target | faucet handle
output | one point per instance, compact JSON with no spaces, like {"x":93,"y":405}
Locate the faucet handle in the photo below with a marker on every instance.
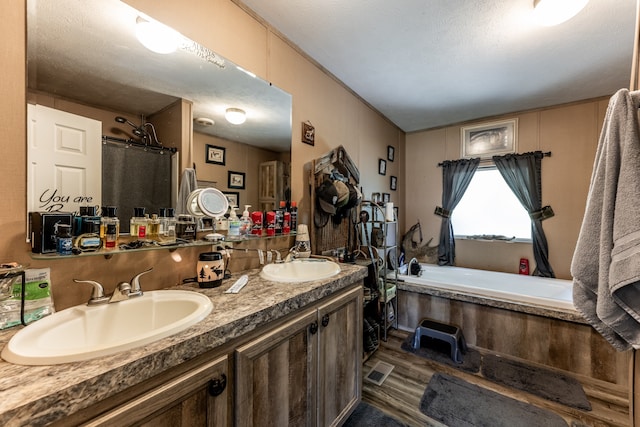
{"x":136,"y":290}
{"x":97,"y":292}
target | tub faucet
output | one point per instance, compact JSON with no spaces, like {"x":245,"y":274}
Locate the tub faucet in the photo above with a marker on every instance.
{"x":410,"y":270}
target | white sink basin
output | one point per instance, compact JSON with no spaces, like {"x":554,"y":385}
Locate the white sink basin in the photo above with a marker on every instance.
{"x":300,"y":270}
{"x":84,"y":332}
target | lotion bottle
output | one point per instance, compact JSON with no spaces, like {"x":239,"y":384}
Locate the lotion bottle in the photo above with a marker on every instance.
{"x":234,"y":223}
{"x":245,"y":222}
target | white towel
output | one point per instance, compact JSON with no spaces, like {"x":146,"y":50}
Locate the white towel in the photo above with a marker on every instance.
{"x":606,"y":262}
{"x":188,"y":183}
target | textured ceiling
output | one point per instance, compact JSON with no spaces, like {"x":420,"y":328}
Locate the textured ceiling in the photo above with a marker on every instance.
{"x":429,"y":63}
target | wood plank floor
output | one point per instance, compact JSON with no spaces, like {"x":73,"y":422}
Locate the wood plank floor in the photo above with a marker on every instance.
{"x":399,"y":396}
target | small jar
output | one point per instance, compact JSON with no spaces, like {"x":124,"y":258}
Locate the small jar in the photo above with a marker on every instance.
{"x":64,"y":241}
{"x":186,"y":227}
{"x":210,"y":269}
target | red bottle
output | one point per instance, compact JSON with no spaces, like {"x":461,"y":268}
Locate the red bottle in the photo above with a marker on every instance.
{"x":256,"y":218}
{"x":271,"y":223}
{"x":286,"y":223}
{"x":524,"y":266}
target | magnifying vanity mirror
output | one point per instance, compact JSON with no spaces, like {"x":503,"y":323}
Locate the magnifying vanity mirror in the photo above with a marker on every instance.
{"x":83,"y":58}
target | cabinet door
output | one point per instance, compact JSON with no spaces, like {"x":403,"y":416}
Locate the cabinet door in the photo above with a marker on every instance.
{"x":277,"y":376}
{"x":340,"y":369}
{"x":199,"y":397}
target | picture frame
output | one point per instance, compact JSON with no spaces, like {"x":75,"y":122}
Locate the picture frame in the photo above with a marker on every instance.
{"x":308,"y":133}
{"x":382,"y":167}
{"x":375,"y":198}
{"x":391,"y":153}
{"x":393,"y":183}
{"x":386,"y":197}
{"x":236,"y":180}
{"x":233,"y":197}
{"x":396,"y":212}
{"x":215,"y":154}
{"x":489,"y":139}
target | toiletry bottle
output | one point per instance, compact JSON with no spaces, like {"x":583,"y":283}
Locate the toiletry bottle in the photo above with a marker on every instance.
{"x":294,"y":216}
{"x":271,"y":223}
{"x":109,"y":217}
{"x":111,"y":236}
{"x":280,"y":217}
{"x":256,"y":217}
{"x":286,"y":222}
{"x":64,"y":241}
{"x":167,"y":225}
{"x":186,"y":227}
{"x":234,"y":223}
{"x":138,"y":223}
{"x":246,"y":224}
{"x":154,"y":228}
{"x":90,"y":221}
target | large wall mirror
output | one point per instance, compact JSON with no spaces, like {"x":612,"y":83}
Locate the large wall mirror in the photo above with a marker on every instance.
{"x":83,"y":57}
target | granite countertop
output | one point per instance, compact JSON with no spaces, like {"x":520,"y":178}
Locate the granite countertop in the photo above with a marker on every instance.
{"x":37,"y":395}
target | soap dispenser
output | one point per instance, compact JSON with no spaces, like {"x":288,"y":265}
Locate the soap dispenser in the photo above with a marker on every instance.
{"x":234,"y":223}
{"x":245,"y":222}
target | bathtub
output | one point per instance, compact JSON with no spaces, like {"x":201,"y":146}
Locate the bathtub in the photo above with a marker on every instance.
{"x":516,"y":288}
{"x":527,"y":317}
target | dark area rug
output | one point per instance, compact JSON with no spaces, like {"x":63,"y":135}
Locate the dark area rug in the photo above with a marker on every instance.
{"x":458,"y":403}
{"x":553,"y":386}
{"x":366,"y":415}
{"x":440,"y":351}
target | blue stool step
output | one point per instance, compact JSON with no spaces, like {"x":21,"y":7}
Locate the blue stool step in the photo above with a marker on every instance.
{"x":444,"y":332}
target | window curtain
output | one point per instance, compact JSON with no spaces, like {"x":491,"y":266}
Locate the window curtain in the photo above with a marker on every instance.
{"x":456,"y":176}
{"x":522,"y":174}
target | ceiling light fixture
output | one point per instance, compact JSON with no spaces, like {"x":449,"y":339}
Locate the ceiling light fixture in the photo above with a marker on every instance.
{"x":554,"y":12}
{"x":157,"y":37}
{"x":235,"y":116}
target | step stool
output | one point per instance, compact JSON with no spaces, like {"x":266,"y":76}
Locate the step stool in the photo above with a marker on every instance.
{"x":444,"y":332}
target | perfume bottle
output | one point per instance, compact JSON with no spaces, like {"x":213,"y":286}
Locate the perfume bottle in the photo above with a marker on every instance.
{"x":138,"y":224}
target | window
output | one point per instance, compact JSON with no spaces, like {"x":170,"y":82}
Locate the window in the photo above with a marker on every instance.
{"x":489,"y":207}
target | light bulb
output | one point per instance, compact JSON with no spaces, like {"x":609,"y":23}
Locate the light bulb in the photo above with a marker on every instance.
{"x":554,"y":12}
{"x":157,"y":37}
{"x":235,"y":116}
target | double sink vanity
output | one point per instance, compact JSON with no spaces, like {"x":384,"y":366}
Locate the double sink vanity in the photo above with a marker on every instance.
{"x":280,"y":351}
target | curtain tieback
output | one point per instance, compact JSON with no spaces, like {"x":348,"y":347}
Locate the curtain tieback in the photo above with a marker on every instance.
{"x":444,"y":213}
{"x":541,"y":214}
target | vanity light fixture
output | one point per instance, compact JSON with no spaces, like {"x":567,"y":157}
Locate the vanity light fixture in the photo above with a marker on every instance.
{"x":157,"y":37}
{"x":554,"y":12}
{"x":235,"y":116}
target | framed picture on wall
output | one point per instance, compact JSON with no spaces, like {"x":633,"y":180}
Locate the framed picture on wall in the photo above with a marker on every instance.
{"x":382,"y":167}
{"x":215,"y":154}
{"x":386,"y":197}
{"x":236,"y":180}
{"x":393,"y":183}
{"x":233,"y":197}
{"x":489,"y":139}
{"x":391,"y":153}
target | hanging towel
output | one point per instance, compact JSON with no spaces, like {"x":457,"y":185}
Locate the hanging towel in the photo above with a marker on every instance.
{"x":188,"y":183}
{"x":606,"y":262}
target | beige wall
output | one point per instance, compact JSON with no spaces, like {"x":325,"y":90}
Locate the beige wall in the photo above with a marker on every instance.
{"x":569,"y":132}
{"x":340,"y":118}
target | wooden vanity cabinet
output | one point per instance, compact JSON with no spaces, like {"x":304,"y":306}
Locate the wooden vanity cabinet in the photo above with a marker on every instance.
{"x":198,"y":397}
{"x":304,"y":372}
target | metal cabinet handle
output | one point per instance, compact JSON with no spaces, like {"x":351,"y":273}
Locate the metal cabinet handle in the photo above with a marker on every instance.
{"x":313,"y":328}
{"x":217,"y":385}
{"x":325,"y":320}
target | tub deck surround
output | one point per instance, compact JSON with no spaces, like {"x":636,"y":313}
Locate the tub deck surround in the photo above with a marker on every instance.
{"x":528,"y":308}
{"x":38,"y":395}
{"x":527,"y":294}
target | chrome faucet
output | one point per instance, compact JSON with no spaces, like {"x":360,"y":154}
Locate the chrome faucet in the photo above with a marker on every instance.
{"x":123,"y":291}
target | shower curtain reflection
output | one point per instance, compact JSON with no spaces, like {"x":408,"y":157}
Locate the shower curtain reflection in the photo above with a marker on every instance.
{"x":135,"y":177}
